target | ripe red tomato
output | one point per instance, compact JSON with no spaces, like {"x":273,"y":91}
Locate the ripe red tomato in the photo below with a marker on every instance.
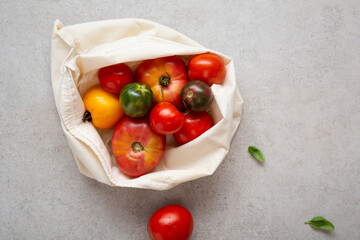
{"x":207,"y":67}
{"x":113,"y":78}
{"x":165,"y":76}
{"x":137,"y":149}
{"x":172,"y":222}
{"x":196,"y":123}
{"x":166,"y":119}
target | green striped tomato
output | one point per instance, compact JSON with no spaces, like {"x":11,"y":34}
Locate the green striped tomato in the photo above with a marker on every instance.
{"x":136,"y":99}
{"x":196,"y":96}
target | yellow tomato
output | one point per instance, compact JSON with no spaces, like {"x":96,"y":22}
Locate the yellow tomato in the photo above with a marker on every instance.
{"x":104,"y":107}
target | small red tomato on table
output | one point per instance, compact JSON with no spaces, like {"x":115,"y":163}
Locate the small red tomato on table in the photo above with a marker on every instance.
{"x":165,"y":119}
{"x":172,"y":222}
{"x":165,"y":76}
{"x":137,"y":149}
{"x":113,"y":78}
{"x":196,"y":123}
{"x":207,"y":67}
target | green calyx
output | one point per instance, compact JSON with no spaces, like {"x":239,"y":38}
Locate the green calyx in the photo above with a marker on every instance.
{"x":164,"y":80}
{"x":86,"y":117}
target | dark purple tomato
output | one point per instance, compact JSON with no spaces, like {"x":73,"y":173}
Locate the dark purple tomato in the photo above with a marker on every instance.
{"x":196,"y":96}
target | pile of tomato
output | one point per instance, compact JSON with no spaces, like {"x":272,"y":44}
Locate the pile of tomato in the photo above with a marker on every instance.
{"x":163,"y":97}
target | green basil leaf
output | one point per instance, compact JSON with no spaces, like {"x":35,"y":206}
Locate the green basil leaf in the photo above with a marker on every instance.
{"x":256,"y":153}
{"x":321,"y":223}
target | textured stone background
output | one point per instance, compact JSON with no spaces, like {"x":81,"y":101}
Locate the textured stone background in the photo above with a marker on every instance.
{"x":298,"y":70}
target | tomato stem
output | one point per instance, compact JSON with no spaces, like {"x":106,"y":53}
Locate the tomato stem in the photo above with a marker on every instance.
{"x":87,"y":116}
{"x":137,"y":147}
{"x":164,"y":80}
{"x":186,"y":113}
{"x":190,"y":94}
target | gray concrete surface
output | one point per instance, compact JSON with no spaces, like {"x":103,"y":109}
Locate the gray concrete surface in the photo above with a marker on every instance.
{"x":298,"y":70}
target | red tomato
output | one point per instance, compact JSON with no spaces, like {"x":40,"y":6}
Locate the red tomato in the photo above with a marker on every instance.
{"x":207,"y":67}
{"x":172,"y":222}
{"x":165,"y":76}
{"x":196,"y":123}
{"x":113,"y":78}
{"x":137,"y":149}
{"x":166,"y":119}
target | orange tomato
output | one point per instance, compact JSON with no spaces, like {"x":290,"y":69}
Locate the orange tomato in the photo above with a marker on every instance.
{"x":102,"y":108}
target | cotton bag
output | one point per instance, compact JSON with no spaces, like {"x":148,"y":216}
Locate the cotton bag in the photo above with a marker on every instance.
{"x":79,"y":51}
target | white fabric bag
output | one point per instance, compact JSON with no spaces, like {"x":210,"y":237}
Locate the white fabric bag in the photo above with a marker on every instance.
{"x":78,"y":52}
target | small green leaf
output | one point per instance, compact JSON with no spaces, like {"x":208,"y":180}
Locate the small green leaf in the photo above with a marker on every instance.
{"x":321,"y":223}
{"x":256,"y":153}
